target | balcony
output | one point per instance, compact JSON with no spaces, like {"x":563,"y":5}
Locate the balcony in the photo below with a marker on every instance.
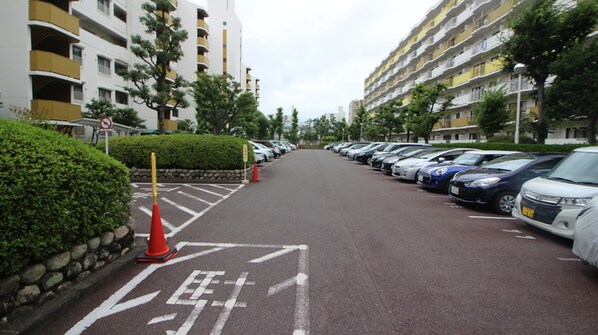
{"x":460,"y":122}
{"x":46,"y":12}
{"x":500,"y":11}
{"x":51,"y":62}
{"x":464,"y":35}
{"x":57,"y":110}
{"x":171,"y":75}
{"x":462,"y":78}
{"x":202,"y":59}
{"x":203,"y":42}
{"x":203,"y":25}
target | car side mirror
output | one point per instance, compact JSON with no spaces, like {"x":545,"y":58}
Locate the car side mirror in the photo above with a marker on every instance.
{"x":441,"y":160}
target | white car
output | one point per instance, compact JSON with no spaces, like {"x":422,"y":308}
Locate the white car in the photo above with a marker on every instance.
{"x":267,"y":152}
{"x":407,"y":169}
{"x":553,"y":202}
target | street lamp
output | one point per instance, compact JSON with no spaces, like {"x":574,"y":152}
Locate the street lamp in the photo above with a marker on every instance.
{"x":519,"y":69}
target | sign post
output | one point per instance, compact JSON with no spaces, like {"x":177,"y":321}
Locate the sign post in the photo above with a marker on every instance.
{"x":106,"y":126}
{"x":245,"y":157}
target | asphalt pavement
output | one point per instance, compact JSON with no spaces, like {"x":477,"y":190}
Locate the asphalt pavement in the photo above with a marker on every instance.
{"x":324,"y":245}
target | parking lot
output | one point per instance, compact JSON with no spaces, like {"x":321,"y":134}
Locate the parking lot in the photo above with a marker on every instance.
{"x":323,"y":245}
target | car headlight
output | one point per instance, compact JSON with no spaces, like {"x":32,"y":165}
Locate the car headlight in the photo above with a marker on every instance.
{"x":485,"y":182}
{"x":440,"y":171}
{"x":392,"y":161}
{"x":581,"y":202}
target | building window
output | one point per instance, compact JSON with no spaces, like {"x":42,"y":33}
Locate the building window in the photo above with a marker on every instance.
{"x":78,"y":54}
{"x":104,"y":6}
{"x":78,"y":92}
{"x":479,"y":69}
{"x":118,"y":66}
{"x":120,"y":14}
{"x":577,"y":133}
{"x":121,"y":97}
{"x":103,"y":65}
{"x":474,"y":136}
{"x":476,"y":93}
{"x":105,"y":94}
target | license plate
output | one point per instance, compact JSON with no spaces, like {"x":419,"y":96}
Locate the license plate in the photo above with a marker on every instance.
{"x":420,"y":178}
{"x":529,"y":212}
{"x":454,"y":190}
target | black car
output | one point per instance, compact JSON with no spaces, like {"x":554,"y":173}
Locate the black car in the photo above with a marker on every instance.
{"x":404,"y":153}
{"x":364,"y":156}
{"x":392,"y":150}
{"x":497,"y":183}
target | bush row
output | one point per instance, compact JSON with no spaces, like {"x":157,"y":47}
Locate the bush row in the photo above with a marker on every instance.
{"x":56,"y":192}
{"x":202,"y":152}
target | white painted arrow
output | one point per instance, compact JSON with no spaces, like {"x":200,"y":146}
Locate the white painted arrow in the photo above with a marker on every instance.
{"x":512,"y":231}
{"x":526,"y":237}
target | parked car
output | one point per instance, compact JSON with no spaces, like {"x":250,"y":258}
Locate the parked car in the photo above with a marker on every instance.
{"x":437,"y":176}
{"x":270,"y":145}
{"x":351,"y":154}
{"x":268,"y":153}
{"x":585,"y":233}
{"x":553,"y":202}
{"x":378,"y":157}
{"x":356,"y":145}
{"x":364,"y":155}
{"x":407,"y":169}
{"x":498,"y":182}
{"x":406,"y":153}
{"x":337,"y":148}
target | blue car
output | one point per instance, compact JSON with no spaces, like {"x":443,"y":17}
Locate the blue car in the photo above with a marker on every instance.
{"x":437,"y":177}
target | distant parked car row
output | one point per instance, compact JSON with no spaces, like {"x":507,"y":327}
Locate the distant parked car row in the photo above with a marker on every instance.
{"x":546,"y":190}
{"x":267,"y":150}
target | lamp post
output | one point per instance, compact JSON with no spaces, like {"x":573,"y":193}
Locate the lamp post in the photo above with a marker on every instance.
{"x":519,"y":69}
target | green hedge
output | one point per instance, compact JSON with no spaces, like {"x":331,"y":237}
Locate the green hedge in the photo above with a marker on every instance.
{"x":201,"y":152}
{"x":56,"y":192}
{"x":565,"y":148}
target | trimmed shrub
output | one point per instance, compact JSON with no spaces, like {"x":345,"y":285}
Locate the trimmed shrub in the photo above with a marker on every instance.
{"x":196,"y":152}
{"x":564,"y":148}
{"x":511,"y":139}
{"x":56,"y":192}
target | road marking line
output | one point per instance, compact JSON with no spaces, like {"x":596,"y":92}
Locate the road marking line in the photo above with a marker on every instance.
{"x":164,"y":222}
{"x":183,"y":208}
{"x":209,"y":192}
{"x":302,"y":295}
{"x":190,"y":321}
{"x":221,"y":187}
{"x":271,"y":256}
{"x":195,"y":198}
{"x":132,"y":303}
{"x":568,"y":259}
{"x":526,"y":237}
{"x":163,"y":318}
{"x":491,"y":217}
{"x":229,"y":305}
{"x":135,"y":185}
{"x":512,"y":231}
{"x":272,"y":290}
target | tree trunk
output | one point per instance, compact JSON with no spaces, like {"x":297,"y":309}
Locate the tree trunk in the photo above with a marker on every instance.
{"x":161,"y":120}
{"x":408,"y":135}
{"x":592,"y":128}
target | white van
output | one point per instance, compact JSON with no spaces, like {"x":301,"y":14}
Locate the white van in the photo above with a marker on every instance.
{"x":553,"y":202}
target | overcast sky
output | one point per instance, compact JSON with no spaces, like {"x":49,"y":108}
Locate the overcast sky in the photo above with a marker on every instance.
{"x":315,"y":54}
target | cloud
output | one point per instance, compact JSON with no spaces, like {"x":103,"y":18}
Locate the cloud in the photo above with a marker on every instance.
{"x":315,"y":55}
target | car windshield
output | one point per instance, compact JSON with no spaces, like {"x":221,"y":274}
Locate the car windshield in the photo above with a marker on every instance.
{"x":578,"y":167}
{"x":390,"y":147}
{"x":510,"y":162}
{"x":470,"y":159}
{"x":414,"y":151}
{"x":429,"y":154}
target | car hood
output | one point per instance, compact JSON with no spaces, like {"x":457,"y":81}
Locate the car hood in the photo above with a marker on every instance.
{"x":449,"y":167}
{"x":411,"y":161}
{"x":480,"y":173}
{"x":549,"y":187}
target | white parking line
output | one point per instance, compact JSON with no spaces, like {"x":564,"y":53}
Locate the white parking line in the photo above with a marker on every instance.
{"x":568,"y":259}
{"x":183,"y":208}
{"x":222,"y":187}
{"x":201,"y":189}
{"x":271,"y":256}
{"x":147,"y":211}
{"x":282,"y":286}
{"x":195,"y":198}
{"x":491,"y":217}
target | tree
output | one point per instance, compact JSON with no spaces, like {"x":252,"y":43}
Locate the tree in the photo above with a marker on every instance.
{"x":389,"y":118}
{"x":263,"y":126}
{"x":426,"y":108}
{"x":541,"y":32}
{"x":279,"y":122}
{"x":98,"y":108}
{"x":573,"y":93}
{"x":220,"y":101}
{"x":152,"y":82}
{"x":492,"y":113}
{"x":185,"y":125}
{"x":359,"y":124}
{"x":341,"y":129}
{"x":293,"y":135}
{"x":272,"y":128}
{"x":322,"y":127}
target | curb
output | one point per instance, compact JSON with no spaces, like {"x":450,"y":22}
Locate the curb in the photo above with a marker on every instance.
{"x":29,"y":320}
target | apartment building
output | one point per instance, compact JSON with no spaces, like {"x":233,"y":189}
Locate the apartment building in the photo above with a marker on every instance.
{"x":457,"y":43}
{"x":354,"y":107}
{"x":61,"y":54}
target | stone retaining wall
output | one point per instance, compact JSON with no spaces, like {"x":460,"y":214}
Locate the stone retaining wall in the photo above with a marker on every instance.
{"x":195,"y":176}
{"x":41,"y":282}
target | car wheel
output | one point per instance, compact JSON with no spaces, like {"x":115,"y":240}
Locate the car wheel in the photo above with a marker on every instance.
{"x":504,"y":203}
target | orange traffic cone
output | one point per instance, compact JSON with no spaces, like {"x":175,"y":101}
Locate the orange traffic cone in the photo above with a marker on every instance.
{"x":255,"y":177}
{"x":157,"y":250}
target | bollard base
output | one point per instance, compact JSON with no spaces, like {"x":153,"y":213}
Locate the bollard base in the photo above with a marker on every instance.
{"x":144,"y":258}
